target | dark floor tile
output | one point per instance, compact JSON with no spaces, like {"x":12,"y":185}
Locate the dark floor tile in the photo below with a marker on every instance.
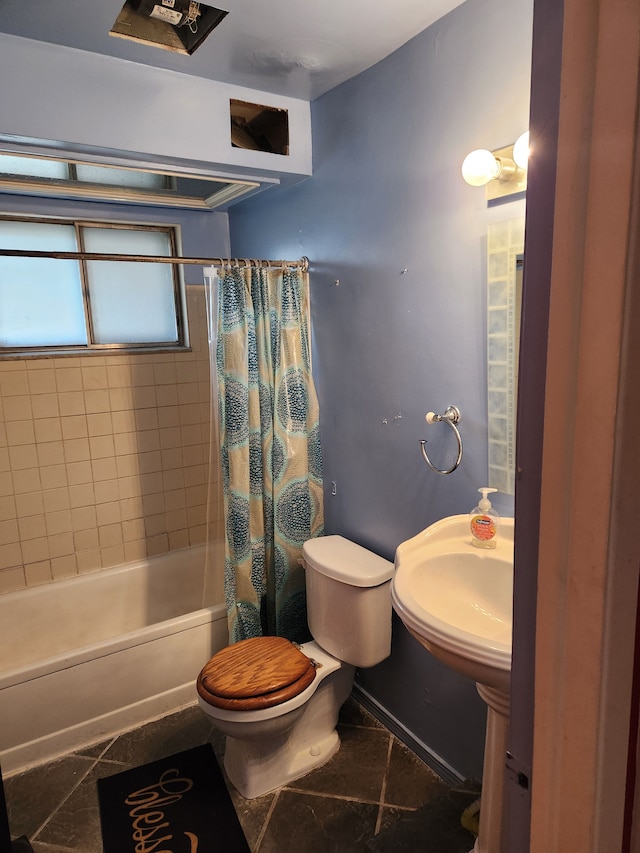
{"x":94,"y":750}
{"x":160,"y":738}
{"x":353,"y":713}
{"x":390,"y":815}
{"x":433,"y":828}
{"x":35,"y":794}
{"x":76,"y":824}
{"x":410,"y":782}
{"x":252,"y":814}
{"x":312,"y":824}
{"x":38,"y":847}
{"x":356,"y":770}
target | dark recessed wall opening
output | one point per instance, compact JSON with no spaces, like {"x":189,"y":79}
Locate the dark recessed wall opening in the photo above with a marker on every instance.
{"x":259,"y":128}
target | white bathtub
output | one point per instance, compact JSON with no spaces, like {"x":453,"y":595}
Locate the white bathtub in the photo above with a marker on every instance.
{"x":84,"y":658}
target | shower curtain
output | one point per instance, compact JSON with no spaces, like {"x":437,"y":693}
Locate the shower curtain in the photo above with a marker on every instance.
{"x":269,"y":447}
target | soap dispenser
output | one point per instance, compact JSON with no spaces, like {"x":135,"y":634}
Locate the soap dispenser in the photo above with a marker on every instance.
{"x":484,"y":521}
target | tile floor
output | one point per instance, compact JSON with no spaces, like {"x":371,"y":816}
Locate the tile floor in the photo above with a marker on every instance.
{"x":374,"y":794}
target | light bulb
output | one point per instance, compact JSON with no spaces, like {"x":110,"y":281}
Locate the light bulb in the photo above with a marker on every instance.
{"x":479,"y":167}
{"x":521,"y":150}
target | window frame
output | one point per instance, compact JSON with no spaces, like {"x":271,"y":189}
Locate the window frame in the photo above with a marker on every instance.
{"x":91,"y":347}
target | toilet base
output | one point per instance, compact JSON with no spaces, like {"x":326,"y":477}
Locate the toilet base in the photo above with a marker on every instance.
{"x":279,"y":754}
{"x":253,"y":775}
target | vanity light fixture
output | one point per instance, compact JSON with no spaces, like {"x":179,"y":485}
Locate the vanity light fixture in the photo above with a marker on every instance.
{"x":502,"y":172}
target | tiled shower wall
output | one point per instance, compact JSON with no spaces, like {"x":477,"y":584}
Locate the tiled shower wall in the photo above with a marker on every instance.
{"x":103,"y":459}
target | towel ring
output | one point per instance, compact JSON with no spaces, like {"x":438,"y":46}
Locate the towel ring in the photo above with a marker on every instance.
{"x":452,"y":417}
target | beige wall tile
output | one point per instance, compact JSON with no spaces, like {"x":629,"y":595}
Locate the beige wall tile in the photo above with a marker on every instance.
{"x":104,"y":469}
{"x":37,"y":573}
{"x":23,"y":456}
{"x":61,"y":545}
{"x":102,"y":446}
{"x":47,"y":429}
{"x":86,"y":540}
{"x":102,"y":459}
{"x":71,"y":403}
{"x":42,"y":381}
{"x":109,"y":535}
{"x":112,"y":556}
{"x":94,"y":377}
{"x":108,"y":513}
{"x":99,"y":424}
{"x":59,"y":522}
{"x":35,"y":550}
{"x":51,"y":453}
{"x":32,"y":527}
{"x":88,"y":561}
{"x":27,"y":504}
{"x":68,"y":378}
{"x":79,"y":472}
{"x":107,"y":491}
{"x":82,"y":495}
{"x":131,"y":508}
{"x":133,"y":530}
{"x":97,"y":401}
{"x":12,"y":579}
{"x":20,"y":432}
{"x":24,"y":480}
{"x":9,"y":531}
{"x":74,"y":426}
{"x":134,"y":550}
{"x":167,"y":395}
{"x":64,"y":567}
{"x":76,"y":450}
{"x":17,"y":408}
{"x":45,"y":406}
{"x":83,"y":518}
{"x":55,"y":499}
{"x":178,"y":539}
{"x":13,"y":383}
{"x":157,"y":544}
{"x":129,"y":465}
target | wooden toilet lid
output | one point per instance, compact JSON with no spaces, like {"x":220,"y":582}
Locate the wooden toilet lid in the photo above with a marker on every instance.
{"x":255,"y":673}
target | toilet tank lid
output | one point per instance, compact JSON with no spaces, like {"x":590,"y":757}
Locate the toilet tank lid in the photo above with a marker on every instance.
{"x":345,"y":561}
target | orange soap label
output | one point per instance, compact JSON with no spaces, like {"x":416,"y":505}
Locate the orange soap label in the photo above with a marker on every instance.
{"x":483,"y":527}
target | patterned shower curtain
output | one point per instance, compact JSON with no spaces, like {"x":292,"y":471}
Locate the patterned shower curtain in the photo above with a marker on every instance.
{"x":270,"y":448}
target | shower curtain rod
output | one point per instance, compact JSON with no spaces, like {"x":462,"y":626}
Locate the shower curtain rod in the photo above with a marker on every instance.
{"x":302,"y":263}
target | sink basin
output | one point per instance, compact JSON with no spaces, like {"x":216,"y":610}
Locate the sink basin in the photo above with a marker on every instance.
{"x":456,"y":599}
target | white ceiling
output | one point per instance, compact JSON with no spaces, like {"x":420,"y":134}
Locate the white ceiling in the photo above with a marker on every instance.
{"x":297,"y":48}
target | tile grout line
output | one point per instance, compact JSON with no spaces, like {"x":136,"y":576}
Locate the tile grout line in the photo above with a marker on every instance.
{"x":383,"y":790}
{"x":63,"y":801}
{"x":265,"y":825}
{"x":75,"y":787}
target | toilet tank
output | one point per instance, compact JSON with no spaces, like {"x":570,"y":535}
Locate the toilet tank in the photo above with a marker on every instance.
{"x":348,"y":600}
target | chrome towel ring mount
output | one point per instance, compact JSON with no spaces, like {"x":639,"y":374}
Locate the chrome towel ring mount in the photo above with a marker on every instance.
{"x":452,"y":417}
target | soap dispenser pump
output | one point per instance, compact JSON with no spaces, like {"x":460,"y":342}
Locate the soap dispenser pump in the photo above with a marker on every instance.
{"x":484,"y":521}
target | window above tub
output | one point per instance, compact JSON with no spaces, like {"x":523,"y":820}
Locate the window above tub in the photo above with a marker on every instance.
{"x":52,"y":306}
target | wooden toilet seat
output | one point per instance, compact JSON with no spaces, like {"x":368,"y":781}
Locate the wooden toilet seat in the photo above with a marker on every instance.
{"x":255,"y":673}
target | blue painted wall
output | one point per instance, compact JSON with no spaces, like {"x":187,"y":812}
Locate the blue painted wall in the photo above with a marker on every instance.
{"x":387,"y":196}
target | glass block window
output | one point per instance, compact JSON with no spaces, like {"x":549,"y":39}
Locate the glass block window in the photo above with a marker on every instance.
{"x":52,"y":304}
{"x":505,"y":249}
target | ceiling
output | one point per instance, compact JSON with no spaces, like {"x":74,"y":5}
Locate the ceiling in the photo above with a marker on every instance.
{"x":295,"y":48}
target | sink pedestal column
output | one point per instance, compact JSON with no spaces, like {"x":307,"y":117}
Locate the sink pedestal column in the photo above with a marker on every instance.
{"x":491,"y":829}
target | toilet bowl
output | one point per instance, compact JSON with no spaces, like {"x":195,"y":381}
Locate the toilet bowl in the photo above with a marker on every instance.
{"x":277,"y":703}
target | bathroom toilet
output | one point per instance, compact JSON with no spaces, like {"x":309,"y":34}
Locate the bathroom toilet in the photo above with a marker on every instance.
{"x":278,"y":703}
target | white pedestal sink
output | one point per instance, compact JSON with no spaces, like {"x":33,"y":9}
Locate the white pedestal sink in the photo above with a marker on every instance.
{"x":456,"y":600}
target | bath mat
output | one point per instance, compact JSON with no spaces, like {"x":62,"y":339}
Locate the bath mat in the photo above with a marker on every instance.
{"x":180,"y":803}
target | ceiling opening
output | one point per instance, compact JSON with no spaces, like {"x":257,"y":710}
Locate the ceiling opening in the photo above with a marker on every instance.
{"x":177,"y":25}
